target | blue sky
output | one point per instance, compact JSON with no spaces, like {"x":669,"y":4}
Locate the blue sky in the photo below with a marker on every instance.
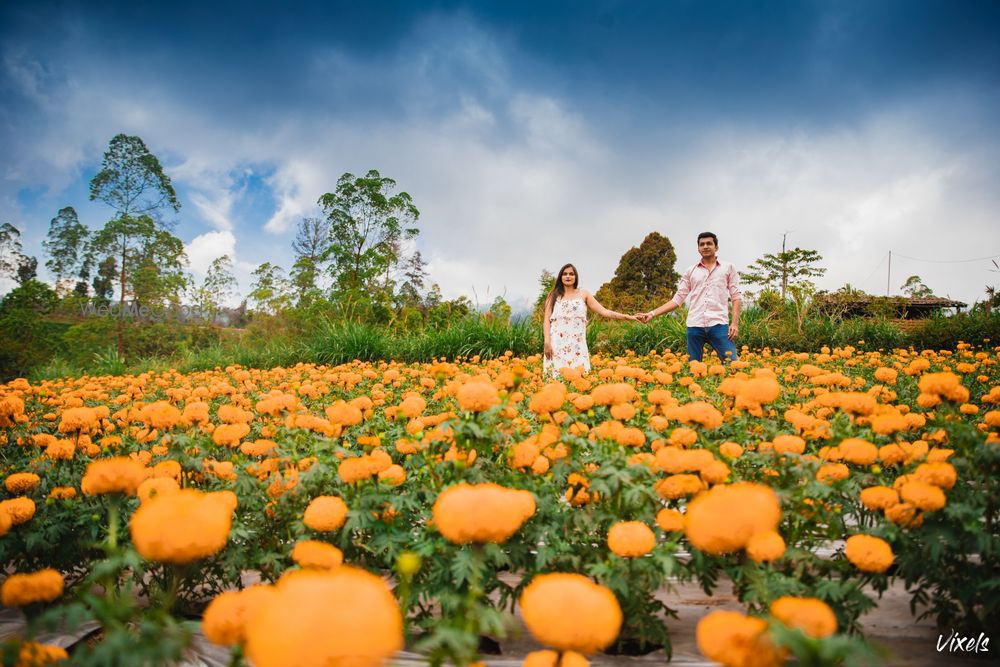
{"x":530,"y":134}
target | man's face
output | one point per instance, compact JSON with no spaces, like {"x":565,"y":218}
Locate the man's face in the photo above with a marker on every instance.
{"x":707,"y":247}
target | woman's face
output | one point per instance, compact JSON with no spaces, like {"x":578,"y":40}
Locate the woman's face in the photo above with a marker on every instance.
{"x":569,"y":277}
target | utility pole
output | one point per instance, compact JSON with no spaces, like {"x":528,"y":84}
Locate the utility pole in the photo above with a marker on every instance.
{"x":888,"y":274}
{"x":784,"y":266}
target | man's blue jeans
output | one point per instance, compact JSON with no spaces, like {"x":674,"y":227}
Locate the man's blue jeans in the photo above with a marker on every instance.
{"x":717,"y":336}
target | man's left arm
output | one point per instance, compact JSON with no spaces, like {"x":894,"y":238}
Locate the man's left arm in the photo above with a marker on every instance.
{"x":735,"y":295}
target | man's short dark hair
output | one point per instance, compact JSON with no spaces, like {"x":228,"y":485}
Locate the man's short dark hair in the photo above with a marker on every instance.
{"x":709,"y":235}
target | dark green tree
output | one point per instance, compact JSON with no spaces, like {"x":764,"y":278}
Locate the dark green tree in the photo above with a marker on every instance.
{"x":270,"y":291}
{"x":28,"y":340}
{"x":368,"y":224}
{"x":66,"y":247}
{"x":645,"y":277}
{"x":27,"y":269}
{"x":104,"y":280}
{"x":132,"y":182}
{"x":311,"y":246}
{"x":784,"y":269}
{"x":915,"y":288}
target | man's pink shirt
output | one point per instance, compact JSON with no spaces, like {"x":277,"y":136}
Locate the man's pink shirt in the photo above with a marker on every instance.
{"x":709,"y":293}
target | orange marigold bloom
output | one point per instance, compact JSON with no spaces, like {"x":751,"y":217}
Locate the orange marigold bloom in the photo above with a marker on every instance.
{"x":313,"y":553}
{"x":731,"y":450}
{"x":481,"y":512}
{"x":857,"y":451}
{"x":630,"y":539}
{"x":233,"y":414}
{"x":904,"y":515}
{"x":412,"y":406}
{"x":630,"y":437}
{"x":225,"y":618}
{"x":683,"y":436}
{"x":879,"y":497}
{"x":813,"y":616}
{"x":184,"y":526}
{"x":623,"y":411}
{"x":62,"y":492}
{"x":765,"y":546}
{"x":33,"y":654}
{"x":736,"y":640}
{"x":477,"y":396}
{"x":19,"y":510}
{"x":156,"y":486}
{"x":670,"y":520}
{"x":550,"y":398}
{"x":946,"y":386}
{"x":325,"y":513}
{"x":679,"y":486}
{"x":992,"y":418}
{"x":161,"y":415}
{"x":119,"y":474}
{"x":868,"y":553}
{"x":60,"y":450}
{"x":229,"y":435}
{"x":785,"y":443}
{"x":22,"y":482}
{"x":923,"y":496}
{"x":939,"y":474}
{"x":394,"y":475}
{"x":23,"y":589}
{"x":345,"y":414}
{"x":725,"y":517}
{"x":78,"y":419}
{"x":344,"y":617}
{"x":832,"y":472}
{"x":891,"y":455}
{"x":570,"y":612}
{"x":716,"y":472}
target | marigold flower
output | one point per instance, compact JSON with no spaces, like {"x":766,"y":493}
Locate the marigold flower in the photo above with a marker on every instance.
{"x":946,"y":386}
{"x":23,"y":589}
{"x":233,"y":414}
{"x":725,"y":517}
{"x":891,"y":455}
{"x":22,"y":482}
{"x":467,"y":513}
{"x":857,"y":451}
{"x":765,"y":546}
{"x":477,"y":396}
{"x":160,"y":415}
{"x":77,"y":419}
{"x":879,"y":497}
{"x":225,"y":618}
{"x":785,"y":443}
{"x":184,"y":526}
{"x":832,"y":472}
{"x":19,"y":510}
{"x":313,"y":553}
{"x":325,"y":513}
{"x":670,"y":520}
{"x":33,"y":654}
{"x":679,"y":486}
{"x":923,"y":496}
{"x":868,"y":553}
{"x":412,"y":406}
{"x":715,"y":472}
{"x":62,"y":492}
{"x":939,"y":474}
{"x":344,"y":617}
{"x":813,"y":616}
{"x":630,"y":539}
{"x":344,"y":414}
{"x":229,"y":435}
{"x":736,"y":640}
{"x":570,"y":612}
{"x":550,"y":398}
{"x":60,"y":450}
{"x":904,"y":515}
{"x":394,"y":475}
{"x":156,"y":486}
{"x":731,"y":450}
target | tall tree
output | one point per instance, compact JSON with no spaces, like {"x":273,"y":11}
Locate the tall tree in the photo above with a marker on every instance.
{"x":915,"y":288}
{"x":270,"y":291}
{"x":10,"y":250}
{"x":27,"y":269}
{"x":311,"y":245}
{"x":66,"y":246}
{"x":367,"y":225}
{"x":132,"y":182}
{"x":104,"y":280}
{"x":645,"y":276}
{"x":218,"y":286}
{"x":784,"y":269}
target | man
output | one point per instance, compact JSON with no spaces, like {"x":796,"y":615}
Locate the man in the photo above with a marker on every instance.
{"x":708,"y":286}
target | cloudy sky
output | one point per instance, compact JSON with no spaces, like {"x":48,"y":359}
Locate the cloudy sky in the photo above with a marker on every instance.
{"x":530,"y":134}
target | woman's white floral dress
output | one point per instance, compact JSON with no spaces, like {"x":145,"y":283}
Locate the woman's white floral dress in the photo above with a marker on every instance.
{"x":568,"y":333}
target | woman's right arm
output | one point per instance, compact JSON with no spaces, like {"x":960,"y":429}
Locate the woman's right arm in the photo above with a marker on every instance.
{"x":545,"y":329}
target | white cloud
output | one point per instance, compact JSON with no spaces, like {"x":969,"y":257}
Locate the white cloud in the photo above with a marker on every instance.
{"x":208,"y":247}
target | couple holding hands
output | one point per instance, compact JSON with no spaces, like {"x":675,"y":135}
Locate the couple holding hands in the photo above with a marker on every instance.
{"x":707,"y":287}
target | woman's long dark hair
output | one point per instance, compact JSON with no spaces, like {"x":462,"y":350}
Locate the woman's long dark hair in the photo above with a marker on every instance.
{"x":558,"y":291}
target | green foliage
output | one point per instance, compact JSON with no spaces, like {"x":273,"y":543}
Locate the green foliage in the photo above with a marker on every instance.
{"x":66,"y":245}
{"x":915,"y":288}
{"x":26,"y":338}
{"x":131,"y":180}
{"x":784,"y":269}
{"x":644,"y":279}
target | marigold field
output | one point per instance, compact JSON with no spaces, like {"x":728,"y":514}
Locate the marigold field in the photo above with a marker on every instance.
{"x":320,"y":515}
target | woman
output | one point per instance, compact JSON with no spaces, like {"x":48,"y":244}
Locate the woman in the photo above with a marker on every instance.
{"x":565,"y":323}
